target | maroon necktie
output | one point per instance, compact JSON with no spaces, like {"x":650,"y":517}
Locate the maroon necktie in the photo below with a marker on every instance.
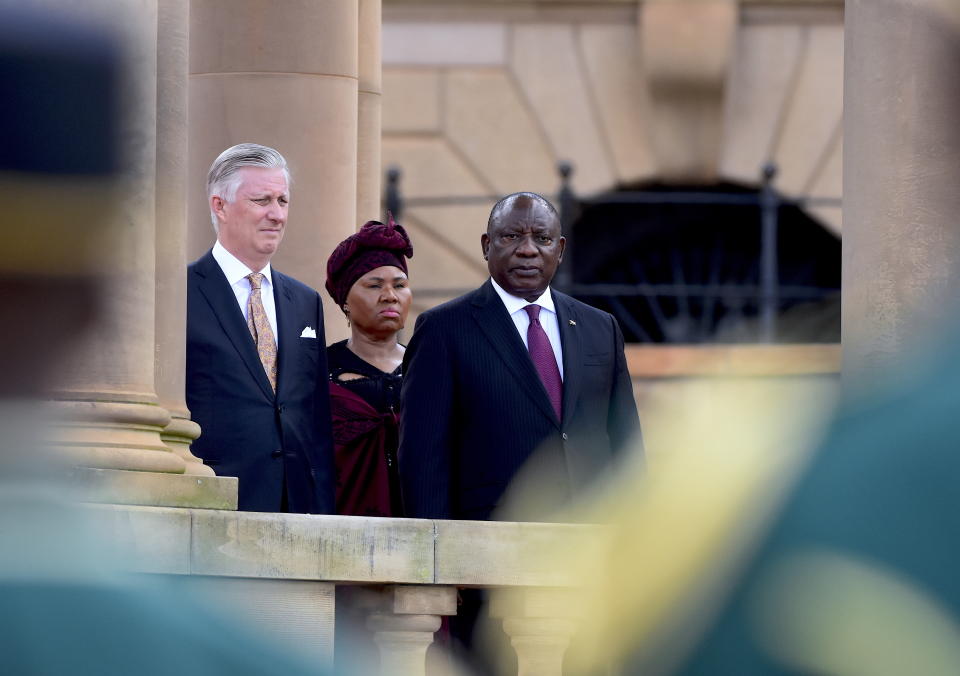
{"x":544,"y":360}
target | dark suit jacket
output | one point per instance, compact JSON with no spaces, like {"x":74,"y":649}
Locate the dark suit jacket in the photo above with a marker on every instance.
{"x":248,"y":431}
{"x":475,"y":410}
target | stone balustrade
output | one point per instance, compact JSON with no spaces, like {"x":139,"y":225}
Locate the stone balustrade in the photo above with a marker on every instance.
{"x":280,"y":571}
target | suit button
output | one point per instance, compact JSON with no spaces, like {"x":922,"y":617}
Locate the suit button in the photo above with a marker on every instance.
{"x":276,"y":454}
{"x":280,"y":409}
{"x":564,"y":435}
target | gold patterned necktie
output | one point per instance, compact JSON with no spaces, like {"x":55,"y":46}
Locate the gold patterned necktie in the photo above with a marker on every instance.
{"x":259,"y":326}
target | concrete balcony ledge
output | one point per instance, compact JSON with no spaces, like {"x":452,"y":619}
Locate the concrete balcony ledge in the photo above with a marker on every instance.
{"x":343,"y":549}
{"x":279,"y":573}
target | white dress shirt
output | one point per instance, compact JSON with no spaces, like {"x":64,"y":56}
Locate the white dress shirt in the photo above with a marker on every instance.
{"x":236,"y":273}
{"x":548,"y":319}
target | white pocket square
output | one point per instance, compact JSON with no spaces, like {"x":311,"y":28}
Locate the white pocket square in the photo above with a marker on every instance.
{"x":308,"y":332}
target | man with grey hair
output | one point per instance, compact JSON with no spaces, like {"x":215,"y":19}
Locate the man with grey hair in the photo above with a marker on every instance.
{"x":256,"y":364}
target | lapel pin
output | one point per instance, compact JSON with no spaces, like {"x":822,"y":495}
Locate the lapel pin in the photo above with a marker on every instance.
{"x":572,"y":323}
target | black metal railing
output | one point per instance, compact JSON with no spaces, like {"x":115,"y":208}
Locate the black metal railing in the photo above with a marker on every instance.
{"x":768,"y":291}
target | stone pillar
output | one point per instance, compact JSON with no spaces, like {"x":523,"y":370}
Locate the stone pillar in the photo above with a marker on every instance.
{"x":540,"y":624}
{"x":171,"y":256}
{"x":110,"y":412}
{"x":284,"y":75}
{"x":369,"y":114}
{"x":901,"y":243}
{"x":403,"y":629}
{"x":110,"y":420}
{"x":687,"y":48}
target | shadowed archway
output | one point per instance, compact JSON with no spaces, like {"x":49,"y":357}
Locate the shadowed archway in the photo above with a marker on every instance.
{"x":677,"y":264}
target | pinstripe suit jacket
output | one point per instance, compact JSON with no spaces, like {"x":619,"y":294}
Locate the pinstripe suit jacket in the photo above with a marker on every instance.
{"x":475,"y":411}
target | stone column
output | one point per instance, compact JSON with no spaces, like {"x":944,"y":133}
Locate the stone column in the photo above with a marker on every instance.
{"x":403,"y":629}
{"x":111,"y":416}
{"x":111,"y":422}
{"x":540,"y":624}
{"x":901,"y":243}
{"x":171,"y":255}
{"x":284,"y":75}
{"x":369,"y":114}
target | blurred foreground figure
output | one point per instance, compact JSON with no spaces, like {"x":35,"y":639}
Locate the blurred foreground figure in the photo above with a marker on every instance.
{"x":858,"y":574}
{"x":66,"y":610}
{"x":747,"y":554}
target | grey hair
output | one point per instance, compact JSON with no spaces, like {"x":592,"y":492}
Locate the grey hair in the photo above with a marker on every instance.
{"x":506,"y":204}
{"x":224,"y":178}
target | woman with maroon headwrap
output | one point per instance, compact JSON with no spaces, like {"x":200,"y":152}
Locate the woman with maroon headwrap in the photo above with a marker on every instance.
{"x":367,"y":277}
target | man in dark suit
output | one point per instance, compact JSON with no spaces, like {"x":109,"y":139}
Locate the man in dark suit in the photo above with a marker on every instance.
{"x":256,"y":364}
{"x":512,"y":374}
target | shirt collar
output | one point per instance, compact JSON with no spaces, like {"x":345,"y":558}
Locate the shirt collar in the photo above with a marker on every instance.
{"x":233,"y":268}
{"x":515,"y":304}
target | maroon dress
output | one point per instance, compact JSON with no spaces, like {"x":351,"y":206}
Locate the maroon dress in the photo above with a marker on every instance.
{"x":365,"y":413}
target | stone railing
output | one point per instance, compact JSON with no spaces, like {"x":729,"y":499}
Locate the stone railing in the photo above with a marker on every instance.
{"x":280,"y":571}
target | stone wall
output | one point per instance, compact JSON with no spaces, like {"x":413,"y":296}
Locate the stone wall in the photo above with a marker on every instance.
{"x":485,"y":98}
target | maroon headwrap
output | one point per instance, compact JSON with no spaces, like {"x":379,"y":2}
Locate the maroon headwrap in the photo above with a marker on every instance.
{"x":374,"y":245}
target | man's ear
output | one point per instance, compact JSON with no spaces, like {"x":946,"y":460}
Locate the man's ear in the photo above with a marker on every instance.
{"x":563,"y":246}
{"x":485,"y":245}
{"x":216,"y":204}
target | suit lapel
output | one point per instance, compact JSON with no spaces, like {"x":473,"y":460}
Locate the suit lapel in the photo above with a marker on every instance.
{"x":498,"y":327}
{"x":214,"y":287}
{"x":286,"y":327}
{"x":572,"y":352}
